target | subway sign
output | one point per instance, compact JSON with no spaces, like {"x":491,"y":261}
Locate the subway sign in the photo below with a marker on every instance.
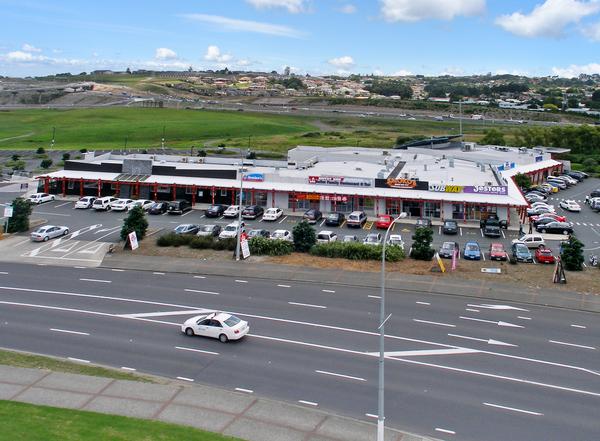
{"x":443,"y":188}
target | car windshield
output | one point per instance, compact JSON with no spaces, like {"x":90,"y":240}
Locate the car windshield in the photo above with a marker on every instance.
{"x":384,"y":218}
{"x":279,"y":234}
{"x":181,"y":228}
{"x":472,"y":247}
{"x":448,"y":246}
{"x":348,"y":238}
{"x":208,"y":228}
{"x":232,"y":321}
{"x":332,"y":216}
{"x":231,"y":228}
{"x":449,"y":224}
{"x":497,"y":249}
{"x":371,"y":238}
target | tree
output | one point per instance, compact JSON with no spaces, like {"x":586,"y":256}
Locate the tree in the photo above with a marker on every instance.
{"x":46,"y":163}
{"x":522,"y":181}
{"x":40,"y":150}
{"x":573,"y":103}
{"x":596,"y":95}
{"x":391,"y":88}
{"x":66,"y":156}
{"x":135,"y":221}
{"x":304,"y":237}
{"x":19,"y":222}
{"x":128,"y":71}
{"x":15,"y":157}
{"x":202,"y":153}
{"x":493,"y":137}
{"x":421,"y":248}
{"x":589,"y":164}
{"x":572,"y":254}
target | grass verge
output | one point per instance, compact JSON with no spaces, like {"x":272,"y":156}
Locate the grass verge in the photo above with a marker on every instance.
{"x":40,"y":423}
{"x":19,"y":359}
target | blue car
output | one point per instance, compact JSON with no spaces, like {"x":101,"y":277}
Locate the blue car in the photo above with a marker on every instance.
{"x":472,"y":251}
{"x":521,"y":253}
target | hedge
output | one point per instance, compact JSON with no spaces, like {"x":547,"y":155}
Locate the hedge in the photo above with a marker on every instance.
{"x":174,"y":240}
{"x":262,"y":246}
{"x":357,"y":251}
{"x":197,"y":242}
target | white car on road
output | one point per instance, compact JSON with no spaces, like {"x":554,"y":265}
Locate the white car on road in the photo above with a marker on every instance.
{"x":282,"y":235}
{"x":272,"y":214}
{"x":230,"y":231}
{"x":38,"y":198}
{"x":570,"y":205}
{"x":47,"y":232}
{"x":219,"y":325}
{"x":85,"y":202}
{"x":122,"y":205}
{"x":232,"y":211}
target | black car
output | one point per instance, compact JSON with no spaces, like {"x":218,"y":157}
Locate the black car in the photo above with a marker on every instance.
{"x":576,"y":175}
{"x":187,"y":229}
{"x":179,"y":207}
{"x":158,"y":208}
{"x":252,"y":212}
{"x":215,"y":211}
{"x":595,"y":194}
{"x":450,"y":227}
{"x":448,"y":249}
{"x":259,"y":233}
{"x":312,"y":216}
{"x":423,"y":222}
{"x":556,"y":227}
{"x":543,"y":221}
{"x":335,"y":219}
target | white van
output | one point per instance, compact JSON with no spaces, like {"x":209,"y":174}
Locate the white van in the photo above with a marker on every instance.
{"x":103,"y":204}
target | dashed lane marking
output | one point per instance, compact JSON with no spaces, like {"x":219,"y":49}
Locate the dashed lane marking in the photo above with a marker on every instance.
{"x":513,"y":409}
{"x":284,"y":286}
{"x":333,"y":374}
{"x":80,"y":360}
{"x":196,"y":350}
{"x":185,"y":379}
{"x":308,"y":403}
{"x":96,"y":280}
{"x":65,"y":331}
{"x":329,"y":291}
{"x":449,"y":432}
{"x":308,"y":305}
{"x":201,"y":292}
{"x":427,"y":322}
{"x":247,"y":391}
{"x":578,"y":326}
{"x":423,"y":303}
{"x":572,"y":344}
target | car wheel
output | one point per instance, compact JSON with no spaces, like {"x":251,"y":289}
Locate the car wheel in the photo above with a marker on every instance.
{"x":52,"y":198}
{"x":46,"y":238}
{"x":66,"y":232}
{"x":543,"y":230}
{"x":223,"y":338}
{"x":565,"y":232}
{"x":189,"y":332}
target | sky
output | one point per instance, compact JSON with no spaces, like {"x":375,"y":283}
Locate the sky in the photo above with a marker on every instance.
{"x":319,"y":37}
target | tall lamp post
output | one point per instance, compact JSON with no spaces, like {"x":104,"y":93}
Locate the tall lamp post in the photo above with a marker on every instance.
{"x":239,"y":228}
{"x":382,"y":320}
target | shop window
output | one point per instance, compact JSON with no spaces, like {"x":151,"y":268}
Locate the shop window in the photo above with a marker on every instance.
{"x":458,"y":211}
{"x":163,"y":189}
{"x":431,"y":209}
{"x":392,"y":207}
{"x":223,"y":193}
{"x":413,"y":208}
{"x":189,"y":190}
{"x":366,"y":204}
{"x":261,"y":198}
{"x":71,"y":185}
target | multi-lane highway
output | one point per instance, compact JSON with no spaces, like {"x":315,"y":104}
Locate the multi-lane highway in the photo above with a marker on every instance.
{"x":456,"y":368}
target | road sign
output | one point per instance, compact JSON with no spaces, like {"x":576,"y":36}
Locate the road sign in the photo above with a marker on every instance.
{"x":245,"y":248}
{"x":8,"y":211}
{"x":133,"y":242}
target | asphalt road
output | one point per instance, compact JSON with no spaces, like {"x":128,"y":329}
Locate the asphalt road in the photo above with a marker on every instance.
{"x":456,"y":369}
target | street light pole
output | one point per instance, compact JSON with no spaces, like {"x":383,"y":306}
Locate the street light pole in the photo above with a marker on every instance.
{"x":239,"y":228}
{"x":382,"y":320}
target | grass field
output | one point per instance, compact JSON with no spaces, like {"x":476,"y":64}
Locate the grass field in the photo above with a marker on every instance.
{"x":40,"y":423}
{"x":107,"y":128}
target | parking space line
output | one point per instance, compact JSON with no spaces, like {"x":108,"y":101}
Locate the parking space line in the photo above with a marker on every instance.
{"x":344,"y":223}
{"x":321,"y":224}
{"x":52,"y":214}
{"x":503,"y":235}
{"x":62,"y":205}
{"x":460,"y":231}
{"x":284,"y":218}
{"x":185,"y":214}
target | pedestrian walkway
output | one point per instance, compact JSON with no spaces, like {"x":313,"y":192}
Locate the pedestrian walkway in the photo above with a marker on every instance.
{"x":229,"y":413}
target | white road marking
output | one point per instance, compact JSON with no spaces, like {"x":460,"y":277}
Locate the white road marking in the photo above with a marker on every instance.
{"x":80,"y":267}
{"x":499,"y":323}
{"x":333,"y":374}
{"x":321,"y":224}
{"x":308,"y":305}
{"x":284,"y":286}
{"x":572,"y":344}
{"x":328,"y":290}
{"x":523,"y":317}
{"x":503,"y":235}
{"x":498,"y":307}
{"x":471,"y":310}
{"x":481,"y":231}
{"x":69,"y":332}
{"x":62,"y":205}
{"x":22,"y":242}
{"x":427,"y":352}
{"x":450,"y":432}
{"x":578,"y":326}
{"x":185,"y":214}
{"x":117,"y":270}
{"x":196,"y":350}
{"x":370,"y":415}
{"x":96,"y":280}
{"x":460,"y":231}
{"x":165,"y":313}
{"x":185,"y":379}
{"x":514,"y":409}
{"x":241,"y":281}
{"x":54,"y":214}
{"x":3,"y":272}
{"x":78,"y":359}
{"x":281,"y":221}
{"x":488,"y":341}
{"x":308,"y":403}
{"x":423,"y":303}
{"x":434,"y":323}
{"x":374,"y":297}
{"x":199,"y":277}
{"x":202,"y":292}
{"x":247,"y":391}
{"x":158,"y":274}
{"x":125,"y":368}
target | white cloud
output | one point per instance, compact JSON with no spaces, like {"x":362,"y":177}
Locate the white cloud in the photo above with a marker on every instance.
{"x":29,"y":48}
{"x":411,"y":10}
{"x":344,"y":62}
{"x":592,"y":32}
{"x":402,"y":73}
{"x":164,"y":53}
{"x":233,"y":24}
{"x":213,"y":53}
{"x":575,"y":70}
{"x":348,"y":9}
{"x":548,"y":19}
{"x":22,"y":57}
{"x":293,"y":6}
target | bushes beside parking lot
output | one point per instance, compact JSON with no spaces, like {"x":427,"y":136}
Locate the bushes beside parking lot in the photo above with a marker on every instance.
{"x":357,"y":251}
{"x":174,"y":240}
{"x":199,"y":243}
{"x":261,"y":246}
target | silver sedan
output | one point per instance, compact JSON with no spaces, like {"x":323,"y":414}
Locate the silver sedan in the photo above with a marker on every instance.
{"x":48,"y":232}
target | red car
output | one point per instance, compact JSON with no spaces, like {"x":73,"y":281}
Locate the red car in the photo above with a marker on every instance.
{"x":544,"y":255}
{"x":497,"y":252}
{"x":383,"y":221}
{"x":556,"y":217}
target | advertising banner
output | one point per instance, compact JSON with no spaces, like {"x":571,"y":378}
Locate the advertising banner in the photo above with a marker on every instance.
{"x":443,"y":188}
{"x":253,"y":177}
{"x":133,"y":242}
{"x":498,"y":190}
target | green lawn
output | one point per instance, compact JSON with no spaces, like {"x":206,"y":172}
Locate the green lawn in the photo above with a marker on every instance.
{"x":18,"y":359}
{"x":40,"y":423}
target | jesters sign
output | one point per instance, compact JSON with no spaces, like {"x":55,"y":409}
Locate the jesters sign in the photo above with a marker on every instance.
{"x":500,"y":190}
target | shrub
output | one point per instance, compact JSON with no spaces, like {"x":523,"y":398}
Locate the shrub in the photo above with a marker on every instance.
{"x":46,"y":163}
{"x":174,"y":240}
{"x":82,"y":150}
{"x":262,"y":246}
{"x":225,"y":244}
{"x":304,"y":237}
{"x":421,"y":248}
{"x":572,"y":254}
{"x":19,"y":222}
{"x":40,"y":150}
{"x":66,"y":156}
{"x":201,"y":242}
{"x":357,"y":251}
{"x":15,"y":157}
{"x":135,"y":221}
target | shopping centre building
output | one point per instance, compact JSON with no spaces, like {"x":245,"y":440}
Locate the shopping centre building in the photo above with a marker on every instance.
{"x":464,"y":182}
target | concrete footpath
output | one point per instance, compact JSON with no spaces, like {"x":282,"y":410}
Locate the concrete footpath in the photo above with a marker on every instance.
{"x":435,"y":284}
{"x":229,"y":413}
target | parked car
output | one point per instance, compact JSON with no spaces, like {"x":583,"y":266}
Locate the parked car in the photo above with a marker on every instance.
{"x":335,"y":219}
{"x":569,"y":179}
{"x":326,"y":237}
{"x":209,"y":230}
{"x":497,"y":252}
{"x":423,"y":222}
{"x":551,"y":188}
{"x":383,"y":221}
{"x":216,"y":210}
{"x":282,"y":235}
{"x":570,"y":205}
{"x":448,"y":249}
{"x":312,"y":216}
{"x":122,"y":204}
{"x":372,"y":239}
{"x":145,"y":204}
{"x":219,"y":325}
{"x":491,"y":228}
{"x":534,"y":197}
{"x":556,"y":228}
{"x":259,"y":233}
{"x":186,"y":229}
{"x":531,"y":241}
{"x":576,"y":175}
{"x":232,"y":211}
{"x":180,"y":206}
{"x":557,"y":183}
{"x":395,"y":240}
{"x":556,"y":217}
{"x":472,"y":251}
{"x":542,"y":221}
{"x":450,"y":226}
{"x":158,"y":208}
{"x":231,"y":231}
{"x":47,"y":232}
{"x":521,"y":253}
{"x":272,"y":214}
{"x":252,"y":212}
{"x":349,"y":238}
{"x":544,"y":255}
{"x":542,"y":204}
{"x":356,"y":219}
{"x":595,"y":194}
{"x":536,"y":211}
{"x":103,"y":204}
{"x":85,"y":202}
{"x":40,"y":198}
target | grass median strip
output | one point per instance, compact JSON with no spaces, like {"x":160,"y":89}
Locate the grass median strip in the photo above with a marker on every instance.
{"x":19,"y":359}
{"x":29,"y":422}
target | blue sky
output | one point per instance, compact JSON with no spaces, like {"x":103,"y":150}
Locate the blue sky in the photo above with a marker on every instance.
{"x":431,"y":37}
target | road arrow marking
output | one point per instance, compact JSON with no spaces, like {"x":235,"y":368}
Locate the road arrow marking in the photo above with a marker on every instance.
{"x":488,"y":341}
{"x":500,"y":323}
{"x":499,"y":307}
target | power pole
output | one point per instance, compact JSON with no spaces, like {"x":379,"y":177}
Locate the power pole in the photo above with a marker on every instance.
{"x":53,"y":138}
{"x":163,"y":139}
